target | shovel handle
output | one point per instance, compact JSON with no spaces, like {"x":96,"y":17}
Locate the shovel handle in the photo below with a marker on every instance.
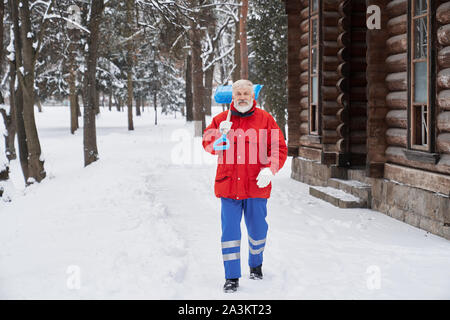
{"x":223,"y":139}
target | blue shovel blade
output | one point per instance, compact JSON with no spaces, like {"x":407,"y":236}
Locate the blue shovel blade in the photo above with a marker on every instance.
{"x":223,"y":139}
{"x":224,"y":94}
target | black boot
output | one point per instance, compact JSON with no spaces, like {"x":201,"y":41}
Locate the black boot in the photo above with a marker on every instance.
{"x":256,"y":273}
{"x":231,"y":285}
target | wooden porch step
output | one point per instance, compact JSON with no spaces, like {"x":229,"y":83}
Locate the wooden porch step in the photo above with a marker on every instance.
{"x":337,"y":197}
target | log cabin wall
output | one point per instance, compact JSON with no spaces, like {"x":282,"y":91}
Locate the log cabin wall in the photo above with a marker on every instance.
{"x":352,"y":84}
{"x":310,"y":148}
{"x":443,"y":85}
{"x":397,"y":134}
{"x":358,"y":84}
{"x":315,"y":150}
{"x":330,"y":93}
{"x":303,"y":59}
{"x":293,"y":9}
{"x":342,"y":93}
{"x":376,"y":121}
{"x":343,"y":83}
{"x":377,"y":90}
{"x":416,"y":184}
{"x":320,"y":147}
{"x":364,"y":106}
{"x":396,"y":80}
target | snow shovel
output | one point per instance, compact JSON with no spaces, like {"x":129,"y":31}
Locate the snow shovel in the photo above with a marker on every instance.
{"x":224,"y":93}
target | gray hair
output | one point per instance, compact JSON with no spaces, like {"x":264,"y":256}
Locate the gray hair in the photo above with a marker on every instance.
{"x":242,"y":83}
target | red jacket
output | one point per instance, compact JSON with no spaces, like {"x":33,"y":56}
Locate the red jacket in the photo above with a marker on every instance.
{"x":256,"y":142}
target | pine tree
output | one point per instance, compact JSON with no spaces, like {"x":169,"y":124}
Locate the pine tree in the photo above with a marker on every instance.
{"x":267,"y":28}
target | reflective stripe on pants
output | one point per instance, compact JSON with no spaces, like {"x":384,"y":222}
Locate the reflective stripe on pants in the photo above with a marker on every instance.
{"x":255,"y":212}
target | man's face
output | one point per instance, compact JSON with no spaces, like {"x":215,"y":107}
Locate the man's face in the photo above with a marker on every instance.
{"x":243,"y":98}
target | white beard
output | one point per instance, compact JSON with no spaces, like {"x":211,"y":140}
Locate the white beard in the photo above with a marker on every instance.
{"x":243,"y":108}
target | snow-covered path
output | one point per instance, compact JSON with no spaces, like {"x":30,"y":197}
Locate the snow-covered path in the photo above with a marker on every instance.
{"x":139,"y":224}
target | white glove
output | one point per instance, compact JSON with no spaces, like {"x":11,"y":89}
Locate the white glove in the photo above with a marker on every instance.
{"x":264,"y":177}
{"x":225,"y":126}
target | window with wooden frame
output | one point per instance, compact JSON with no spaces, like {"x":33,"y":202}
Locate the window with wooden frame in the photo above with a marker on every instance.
{"x":419,"y":70}
{"x":314,"y":67}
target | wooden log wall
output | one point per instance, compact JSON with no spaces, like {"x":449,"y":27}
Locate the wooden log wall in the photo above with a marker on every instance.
{"x":336,"y":50}
{"x":358,"y":84}
{"x":330,"y":93}
{"x":443,"y":78}
{"x":343,"y":84}
{"x":309,"y":148}
{"x":377,"y":91}
{"x":303,"y":60}
{"x":396,"y":81}
{"x":293,"y":9}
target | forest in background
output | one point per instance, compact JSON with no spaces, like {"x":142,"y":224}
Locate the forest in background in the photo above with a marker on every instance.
{"x":99,"y":55}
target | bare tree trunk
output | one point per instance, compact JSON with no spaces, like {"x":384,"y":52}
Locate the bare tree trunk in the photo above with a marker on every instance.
{"x":2,"y":13}
{"x":222,"y":80}
{"x":209,"y":74}
{"x":4,"y":170}
{"x":119,"y":103}
{"x":8,"y":119}
{"x":210,"y":24}
{"x":237,"y":50}
{"x":17,"y":93}
{"x":97,"y":98}
{"x":73,"y":93}
{"x":73,"y":101}
{"x":21,"y":134}
{"x":89,"y":129}
{"x":116,"y":98}
{"x":243,"y":39}
{"x":189,"y":98}
{"x":130,"y":100}
{"x":36,"y":171}
{"x":4,"y":167}
{"x":110,"y":100}
{"x":156,"y":110}
{"x":138,"y":106}
{"x":197,"y":81}
{"x":11,"y":122}
{"x":130,"y":53}
{"x":74,"y":125}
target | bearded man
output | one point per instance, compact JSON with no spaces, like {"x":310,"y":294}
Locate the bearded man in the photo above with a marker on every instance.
{"x":257,"y":151}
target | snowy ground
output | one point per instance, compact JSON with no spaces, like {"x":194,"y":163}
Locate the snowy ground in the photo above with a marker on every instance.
{"x":140,"y":224}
